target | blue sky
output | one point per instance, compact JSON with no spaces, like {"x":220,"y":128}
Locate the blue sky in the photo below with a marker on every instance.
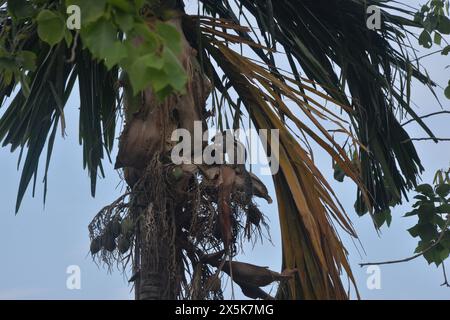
{"x":39,"y":243}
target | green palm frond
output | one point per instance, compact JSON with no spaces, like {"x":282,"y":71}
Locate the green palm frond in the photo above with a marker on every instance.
{"x":31,"y":120}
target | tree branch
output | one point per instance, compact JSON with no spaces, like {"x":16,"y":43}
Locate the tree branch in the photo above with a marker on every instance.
{"x":426,"y":116}
{"x":425,"y":139}
{"x":445,"y":277}
{"x":441,"y":235}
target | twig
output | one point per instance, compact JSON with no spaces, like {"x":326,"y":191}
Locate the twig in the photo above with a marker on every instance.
{"x":109,"y":207}
{"x":426,"y":116}
{"x":414,"y":256}
{"x":425,"y":139}
{"x":74,"y":48}
{"x":445,"y":277}
{"x":426,"y":55}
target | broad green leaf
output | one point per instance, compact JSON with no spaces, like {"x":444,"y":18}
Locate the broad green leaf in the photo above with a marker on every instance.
{"x":427,"y":208}
{"x":141,"y":77}
{"x":414,"y":231}
{"x":26,"y":59}
{"x":124,"y":21}
{"x":123,"y":5}
{"x":443,"y":254}
{"x":147,"y":37}
{"x":101,"y":39}
{"x":421,"y":197}
{"x":153,"y":61}
{"x":443,"y":208}
{"x":427,"y":232}
{"x":425,"y":189}
{"x":437,"y":38}
{"x":21,"y":9}
{"x":447,"y":91}
{"x":430,"y":23}
{"x":381,"y":217}
{"x":164,"y":74}
{"x":170,"y":35}
{"x":139,"y":4}
{"x":178,"y":77}
{"x":422,"y":246}
{"x":51,"y":27}
{"x":446,"y":239}
{"x":411,"y":213}
{"x":433,"y":255}
{"x":446,"y":50}
{"x":444,"y":25}
{"x":443,"y":190}
{"x":425,"y":39}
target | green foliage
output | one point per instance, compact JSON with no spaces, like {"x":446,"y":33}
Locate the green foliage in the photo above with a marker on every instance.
{"x":447,"y":90}
{"x":432,"y":210}
{"x":101,"y":39}
{"x":434,"y":18}
{"x":41,"y":60}
{"x":382,"y":217}
{"x":21,"y":9}
{"x":51,"y":26}
{"x":115,"y":33}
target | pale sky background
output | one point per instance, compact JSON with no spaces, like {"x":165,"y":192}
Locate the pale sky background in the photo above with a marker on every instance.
{"x":39,"y":243}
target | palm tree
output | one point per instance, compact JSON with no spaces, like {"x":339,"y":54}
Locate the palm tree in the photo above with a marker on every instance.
{"x":157,"y":67}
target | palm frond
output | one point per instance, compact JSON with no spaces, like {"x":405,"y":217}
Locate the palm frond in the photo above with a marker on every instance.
{"x":307,"y":206}
{"x":330,"y":43}
{"x":31,"y":119}
{"x":363,"y":72}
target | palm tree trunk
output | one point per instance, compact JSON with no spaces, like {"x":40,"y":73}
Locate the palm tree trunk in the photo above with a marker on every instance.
{"x":155,"y":278}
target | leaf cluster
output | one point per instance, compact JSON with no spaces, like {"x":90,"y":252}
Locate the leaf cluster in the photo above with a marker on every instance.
{"x":432,"y":209}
